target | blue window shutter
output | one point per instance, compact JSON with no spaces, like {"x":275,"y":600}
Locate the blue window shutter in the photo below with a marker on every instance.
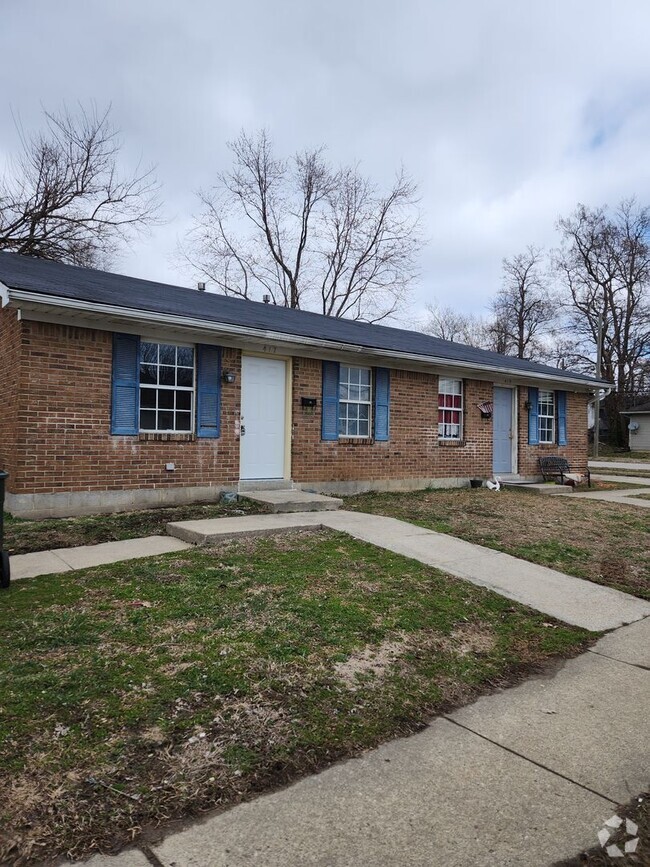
{"x":330,"y":409}
{"x":382,"y":403}
{"x":208,"y":401}
{"x":125,"y":387}
{"x":533,"y":414}
{"x":560,"y":402}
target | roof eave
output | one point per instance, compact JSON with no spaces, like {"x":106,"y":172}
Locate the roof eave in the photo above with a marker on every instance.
{"x":18,"y":296}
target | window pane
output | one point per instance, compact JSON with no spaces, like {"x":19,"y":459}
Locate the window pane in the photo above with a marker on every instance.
{"x":344,"y":391}
{"x":183,"y":421}
{"x":183,"y":400}
{"x":147,"y":419}
{"x":148,"y":374}
{"x":185,"y":356}
{"x":364,"y":428}
{"x":364,"y":412}
{"x":364,"y":392}
{"x":148,"y":398}
{"x":364,"y":376}
{"x":185,"y":377}
{"x":165,"y":399}
{"x":149,"y":352}
{"x":166,"y":376}
{"x":166,"y":420}
{"x":167,"y":354}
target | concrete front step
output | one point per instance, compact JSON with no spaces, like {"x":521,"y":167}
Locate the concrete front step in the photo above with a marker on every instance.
{"x":246,"y":485}
{"x":293,"y":501}
{"x":538,"y":488}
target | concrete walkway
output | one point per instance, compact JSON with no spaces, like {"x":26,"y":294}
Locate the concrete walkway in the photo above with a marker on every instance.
{"x":619,"y":465}
{"x":570,"y":599}
{"x":525,"y":776}
{"x":626,"y":497}
{"x":66,"y":559}
{"x":624,"y":480}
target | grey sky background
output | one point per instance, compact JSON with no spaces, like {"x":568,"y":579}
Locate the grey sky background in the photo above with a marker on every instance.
{"x":505,"y":113}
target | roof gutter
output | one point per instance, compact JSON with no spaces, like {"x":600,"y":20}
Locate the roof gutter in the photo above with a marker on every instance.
{"x":148,"y":317}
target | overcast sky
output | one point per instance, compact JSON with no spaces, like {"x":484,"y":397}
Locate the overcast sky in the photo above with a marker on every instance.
{"x":505,"y":113}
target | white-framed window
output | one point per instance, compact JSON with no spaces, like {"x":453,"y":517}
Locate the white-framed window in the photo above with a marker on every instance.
{"x":166,"y":388}
{"x":355,"y":401}
{"x":546,"y":416}
{"x":450,"y":409}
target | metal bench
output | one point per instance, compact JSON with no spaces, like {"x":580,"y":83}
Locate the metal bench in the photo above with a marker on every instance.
{"x":554,"y":469}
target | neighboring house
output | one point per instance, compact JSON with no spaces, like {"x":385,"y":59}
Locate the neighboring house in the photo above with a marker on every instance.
{"x":119,"y":393}
{"x":639,"y":427}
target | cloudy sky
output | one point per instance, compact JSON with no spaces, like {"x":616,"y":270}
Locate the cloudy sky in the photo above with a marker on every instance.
{"x":505,"y":113}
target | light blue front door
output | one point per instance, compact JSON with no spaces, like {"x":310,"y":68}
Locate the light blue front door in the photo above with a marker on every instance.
{"x":502,"y":431}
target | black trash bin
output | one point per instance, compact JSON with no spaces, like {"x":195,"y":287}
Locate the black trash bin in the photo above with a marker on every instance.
{"x":4,"y":556}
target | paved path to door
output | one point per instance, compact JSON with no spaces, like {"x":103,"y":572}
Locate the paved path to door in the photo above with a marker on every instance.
{"x":565,"y":597}
{"x":523,"y":777}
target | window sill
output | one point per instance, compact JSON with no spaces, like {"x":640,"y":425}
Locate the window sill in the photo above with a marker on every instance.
{"x":451,"y":444}
{"x":356,"y":441}
{"x":166,"y":437}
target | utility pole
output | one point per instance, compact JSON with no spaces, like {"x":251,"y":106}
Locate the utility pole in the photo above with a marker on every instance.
{"x":599,"y":364}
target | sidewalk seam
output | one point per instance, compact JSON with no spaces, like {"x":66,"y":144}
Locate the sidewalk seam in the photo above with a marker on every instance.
{"x":531,"y":761}
{"x":151,"y":856}
{"x":622,"y":661}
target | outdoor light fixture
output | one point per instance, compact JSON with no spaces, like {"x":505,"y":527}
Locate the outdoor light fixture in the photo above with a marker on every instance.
{"x":229,"y":376}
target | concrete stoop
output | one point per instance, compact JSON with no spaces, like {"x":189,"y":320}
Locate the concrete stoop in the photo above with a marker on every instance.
{"x":538,"y":488}
{"x":293,"y":500}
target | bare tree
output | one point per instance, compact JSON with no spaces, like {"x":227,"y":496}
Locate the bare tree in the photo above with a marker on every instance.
{"x":604,"y":263}
{"x":305,"y":234}
{"x":523,"y":309}
{"x":63,"y":197}
{"x":449,"y":324}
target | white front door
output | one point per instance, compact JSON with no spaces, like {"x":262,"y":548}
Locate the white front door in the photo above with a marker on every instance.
{"x":263,"y":418}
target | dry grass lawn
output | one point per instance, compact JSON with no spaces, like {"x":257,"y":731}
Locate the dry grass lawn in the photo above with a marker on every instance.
{"x":608,"y":543}
{"x":156,"y":689}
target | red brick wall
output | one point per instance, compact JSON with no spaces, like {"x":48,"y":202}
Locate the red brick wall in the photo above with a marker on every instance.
{"x":576,"y":448}
{"x":64,"y":424}
{"x":414,"y":451}
{"x":10,"y":329}
{"x":55,"y":425}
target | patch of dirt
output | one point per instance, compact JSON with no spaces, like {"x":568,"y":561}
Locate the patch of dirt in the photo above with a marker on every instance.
{"x":373,"y":660}
{"x":471,"y":638}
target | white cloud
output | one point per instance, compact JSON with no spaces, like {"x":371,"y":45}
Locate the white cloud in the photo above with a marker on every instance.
{"x":507,"y":114}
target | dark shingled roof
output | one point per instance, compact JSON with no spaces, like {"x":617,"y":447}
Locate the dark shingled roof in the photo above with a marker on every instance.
{"x":104,"y":288}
